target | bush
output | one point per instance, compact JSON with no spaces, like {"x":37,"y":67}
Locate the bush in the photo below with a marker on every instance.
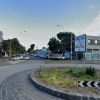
{"x":90,"y":71}
{"x":70,"y":70}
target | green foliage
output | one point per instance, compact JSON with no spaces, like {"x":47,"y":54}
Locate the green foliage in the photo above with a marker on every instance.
{"x":14,"y":46}
{"x":31,"y":48}
{"x":70,"y":70}
{"x":90,"y":71}
{"x":66,"y":78}
{"x":56,"y":74}
{"x":65,"y":38}
{"x":54,"y":44}
{"x":80,"y":74}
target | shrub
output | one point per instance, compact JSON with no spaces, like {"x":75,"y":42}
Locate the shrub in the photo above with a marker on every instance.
{"x":70,"y":70}
{"x":90,"y":71}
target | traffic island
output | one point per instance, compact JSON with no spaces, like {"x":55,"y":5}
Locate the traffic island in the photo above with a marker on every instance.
{"x":59,"y":92}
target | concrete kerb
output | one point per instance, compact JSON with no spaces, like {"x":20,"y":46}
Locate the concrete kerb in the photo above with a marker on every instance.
{"x":60,"y":94}
{"x":14,"y":62}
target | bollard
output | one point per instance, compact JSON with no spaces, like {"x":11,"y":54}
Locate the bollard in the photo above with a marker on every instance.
{"x":40,"y":71}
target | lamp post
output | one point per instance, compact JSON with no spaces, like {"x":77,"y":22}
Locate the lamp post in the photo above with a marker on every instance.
{"x":71,"y":40}
{"x":10,"y":46}
{"x":61,"y":27}
{"x":20,"y":33}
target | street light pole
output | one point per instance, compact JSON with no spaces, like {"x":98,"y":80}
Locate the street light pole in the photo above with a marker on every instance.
{"x":71,"y":40}
{"x":61,"y":27}
{"x":10,"y":46}
{"x":20,"y":33}
{"x":71,"y":46}
{"x":10,"y":51}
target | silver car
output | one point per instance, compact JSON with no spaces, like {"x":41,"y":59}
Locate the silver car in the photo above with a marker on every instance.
{"x":19,"y":57}
{"x":26,"y":57}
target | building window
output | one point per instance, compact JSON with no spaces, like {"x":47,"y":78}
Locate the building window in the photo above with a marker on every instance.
{"x":89,"y":50}
{"x":96,"y":41}
{"x":95,"y":49}
{"x":96,"y":56}
{"x":89,"y":56}
{"x":88,"y":41}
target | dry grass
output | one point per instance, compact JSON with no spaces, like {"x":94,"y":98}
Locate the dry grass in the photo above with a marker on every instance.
{"x":66,"y":80}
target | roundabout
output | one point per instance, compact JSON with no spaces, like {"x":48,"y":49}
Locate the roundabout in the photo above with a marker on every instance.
{"x":19,"y":87}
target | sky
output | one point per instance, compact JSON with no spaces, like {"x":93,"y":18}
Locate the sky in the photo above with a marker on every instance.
{"x":35,"y":21}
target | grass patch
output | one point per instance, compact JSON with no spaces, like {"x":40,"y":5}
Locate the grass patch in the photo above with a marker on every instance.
{"x":66,"y":78}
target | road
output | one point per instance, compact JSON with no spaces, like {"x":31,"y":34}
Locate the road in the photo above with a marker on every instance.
{"x":34,"y":62}
{"x":15,"y":83}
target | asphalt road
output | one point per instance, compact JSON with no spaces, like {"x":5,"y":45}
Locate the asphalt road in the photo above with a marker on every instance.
{"x":15,"y":83}
{"x":35,"y":62}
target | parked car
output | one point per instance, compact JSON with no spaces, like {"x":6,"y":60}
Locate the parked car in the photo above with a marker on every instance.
{"x":18,"y":57}
{"x":26,"y":57}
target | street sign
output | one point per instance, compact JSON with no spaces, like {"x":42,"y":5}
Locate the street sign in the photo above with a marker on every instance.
{"x":88,"y":84}
{"x":80,"y":42}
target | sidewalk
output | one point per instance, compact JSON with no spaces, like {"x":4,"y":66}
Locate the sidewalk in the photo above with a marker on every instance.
{"x":4,"y":61}
{"x":14,"y":62}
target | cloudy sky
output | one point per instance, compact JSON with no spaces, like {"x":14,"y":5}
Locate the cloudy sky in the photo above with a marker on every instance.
{"x":39,"y":18}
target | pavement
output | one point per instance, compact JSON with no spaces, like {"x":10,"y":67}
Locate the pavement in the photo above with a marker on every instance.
{"x":19,"y":87}
{"x":4,"y":61}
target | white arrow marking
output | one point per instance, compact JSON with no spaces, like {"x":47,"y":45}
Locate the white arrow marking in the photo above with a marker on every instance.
{"x":81,"y":83}
{"x":95,"y":84}
{"x":89,"y":84}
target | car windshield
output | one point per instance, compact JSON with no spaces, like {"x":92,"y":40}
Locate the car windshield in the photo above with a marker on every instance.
{"x":18,"y":56}
{"x":26,"y":56}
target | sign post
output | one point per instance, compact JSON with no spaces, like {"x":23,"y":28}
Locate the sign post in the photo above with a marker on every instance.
{"x":84,"y":61}
{"x":76,"y":59}
{"x":80,"y":45}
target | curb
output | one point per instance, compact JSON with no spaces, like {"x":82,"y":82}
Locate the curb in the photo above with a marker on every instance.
{"x":60,"y":94}
{"x":14,"y":62}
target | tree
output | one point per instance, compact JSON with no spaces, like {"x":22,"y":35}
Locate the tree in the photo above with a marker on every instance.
{"x":14,"y":46}
{"x":44,"y":48}
{"x":65,"y":38}
{"x":31,"y":48}
{"x":54,"y":44}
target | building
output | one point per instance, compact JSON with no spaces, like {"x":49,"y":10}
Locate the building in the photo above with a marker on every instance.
{"x":92,"y":47}
{"x":88,"y":45}
{"x":1,"y":36}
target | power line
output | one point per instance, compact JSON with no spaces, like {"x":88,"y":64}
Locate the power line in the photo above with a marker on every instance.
{"x":35,"y":39}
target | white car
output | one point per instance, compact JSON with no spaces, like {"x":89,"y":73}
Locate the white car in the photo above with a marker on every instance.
{"x":26,"y":57}
{"x":18,"y":57}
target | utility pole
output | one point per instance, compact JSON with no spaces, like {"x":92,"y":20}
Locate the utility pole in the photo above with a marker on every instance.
{"x":10,"y":51}
{"x":71,"y":39}
{"x":10,"y":46}
{"x":71,"y":46}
